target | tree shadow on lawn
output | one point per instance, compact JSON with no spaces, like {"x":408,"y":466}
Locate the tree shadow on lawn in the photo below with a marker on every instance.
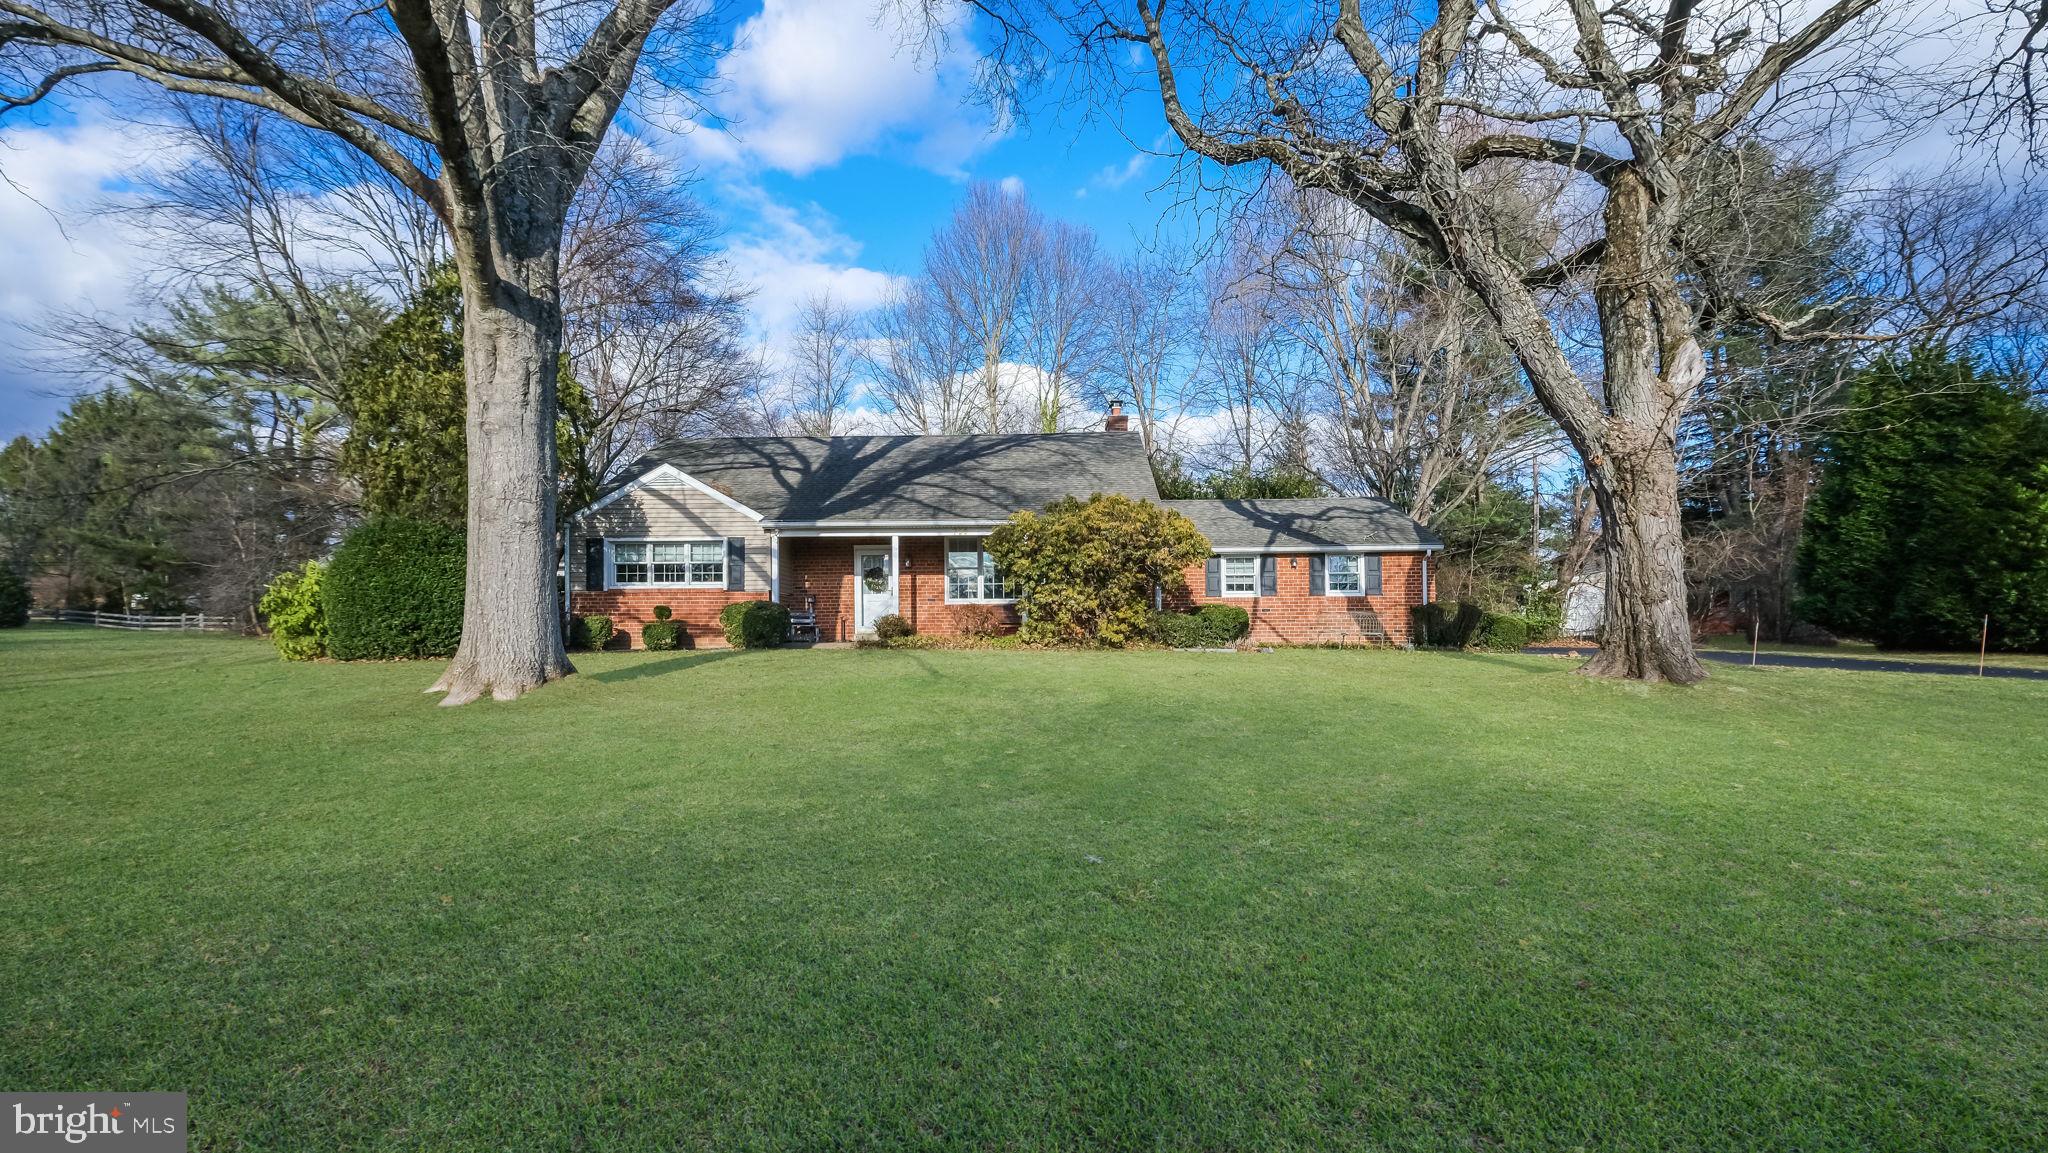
{"x":654,"y":668}
{"x":1503,"y":660}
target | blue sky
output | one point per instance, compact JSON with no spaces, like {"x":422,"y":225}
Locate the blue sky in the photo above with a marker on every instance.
{"x":828,"y":154}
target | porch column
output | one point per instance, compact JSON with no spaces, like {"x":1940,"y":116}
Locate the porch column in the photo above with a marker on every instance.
{"x":775,"y":567}
{"x":896,"y":572}
{"x":1425,"y":578}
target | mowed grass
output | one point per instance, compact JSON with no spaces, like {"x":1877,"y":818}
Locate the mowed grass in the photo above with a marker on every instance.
{"x":1017,"y":900}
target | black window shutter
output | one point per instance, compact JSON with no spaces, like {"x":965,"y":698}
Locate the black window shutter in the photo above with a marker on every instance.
{"x":735,"y":564}
{"x":1212,"y":577}
{"x":1269,"y":575}
{"x":1369,"y":574}
{"x":1315,"y":576}
{"x":593,"y":564}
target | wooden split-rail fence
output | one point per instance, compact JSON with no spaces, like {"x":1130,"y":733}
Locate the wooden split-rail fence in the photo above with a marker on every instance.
{"x":186,"y":622}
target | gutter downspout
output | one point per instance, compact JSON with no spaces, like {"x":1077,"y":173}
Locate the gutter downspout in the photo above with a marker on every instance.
{"x":568,"y":611}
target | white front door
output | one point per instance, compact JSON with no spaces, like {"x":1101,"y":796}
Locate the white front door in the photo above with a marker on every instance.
{"x":874,"y":587}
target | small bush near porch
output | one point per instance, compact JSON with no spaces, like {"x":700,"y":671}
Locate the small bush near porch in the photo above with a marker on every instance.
{"x":1025,"y":900}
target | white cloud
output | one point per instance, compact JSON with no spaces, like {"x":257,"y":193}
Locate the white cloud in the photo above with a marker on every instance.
{"x":1111,"y":177}
{"x":789,"y":255}
{"x":810,"y":82}
{"x":1012,"y":185}
{"x":59,"y":256}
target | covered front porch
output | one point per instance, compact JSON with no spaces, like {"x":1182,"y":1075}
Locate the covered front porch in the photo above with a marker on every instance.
{"x":938,"y":580}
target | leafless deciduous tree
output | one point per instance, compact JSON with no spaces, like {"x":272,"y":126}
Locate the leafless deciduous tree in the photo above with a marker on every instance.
{"x":822,"y":362}
{"x":978,"y":267}
{"x":1408,"y":112}
{"x":650,"y":325}
{"x":1422,"y":398}
{"x":1246,"y":371}
{"x":2010,"y":96}
{"x":1149,"y":334}
{"x":919,"y":363}
{"x":1064,"y":318}
{"x":1010,"y":314}
{"x":490,"y":115}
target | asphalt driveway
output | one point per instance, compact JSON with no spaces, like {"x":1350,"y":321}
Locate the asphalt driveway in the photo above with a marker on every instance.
{"x":1851,"y":664}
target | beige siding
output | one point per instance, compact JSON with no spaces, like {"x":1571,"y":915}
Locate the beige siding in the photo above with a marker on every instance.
{"x":669,"y":509}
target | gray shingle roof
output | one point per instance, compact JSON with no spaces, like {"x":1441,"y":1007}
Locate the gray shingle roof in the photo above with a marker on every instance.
{"x":910,"y":478}
{"x":1323,"y":523}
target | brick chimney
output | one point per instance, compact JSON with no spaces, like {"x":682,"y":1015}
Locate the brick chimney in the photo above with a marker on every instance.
{"x":1117,"y":421}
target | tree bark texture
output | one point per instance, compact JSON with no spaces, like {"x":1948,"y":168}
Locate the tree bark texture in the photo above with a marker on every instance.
{"x":511,"y":611}
{"x":1627,"y":439}
{"x":509,"y":254}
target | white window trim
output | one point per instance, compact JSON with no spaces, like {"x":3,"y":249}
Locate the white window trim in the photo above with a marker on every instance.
{"x":1223,"y":576}
{"x":611,"y":568}
{"x":946,"y":573}
{"x":1362,"y":590}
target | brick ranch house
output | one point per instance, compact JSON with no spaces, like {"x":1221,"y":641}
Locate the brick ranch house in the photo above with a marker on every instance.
{"x":862,"y":526}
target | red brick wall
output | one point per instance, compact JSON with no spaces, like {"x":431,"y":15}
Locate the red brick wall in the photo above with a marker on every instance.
{"x":1295,"y":616}
{"x":823,"y":568}
{"x":695,"y":609}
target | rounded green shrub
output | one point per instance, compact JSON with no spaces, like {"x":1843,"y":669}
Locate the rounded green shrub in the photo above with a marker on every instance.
{"x":13,"y":599}
{"x":1176,"y":630}
{"x":296,"y":613}
{"x":754,"y":624}
{"x":1504,"y":633}
{"x":892,"y":627}
{"x":1085,"y":571}
{"x":662,"y":633}
{"x":1227,"y":624}
{"x":1447,"y":624}
{"x":591,"y":632}
{"x":1212,"y":626}
{"x":394,"y":589}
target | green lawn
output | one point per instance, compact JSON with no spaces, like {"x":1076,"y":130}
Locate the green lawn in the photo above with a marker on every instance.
{"x":1865,"y":651}
{"x":981,"y":900}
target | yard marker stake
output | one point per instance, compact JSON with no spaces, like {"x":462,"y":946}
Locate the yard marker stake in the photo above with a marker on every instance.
{"x":1983,"y":641}
{"x":1752,"y":640}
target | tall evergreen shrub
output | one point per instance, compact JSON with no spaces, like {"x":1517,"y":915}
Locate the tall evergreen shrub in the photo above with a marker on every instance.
{"x":1932,"y":512}
{"x":394,"y":589}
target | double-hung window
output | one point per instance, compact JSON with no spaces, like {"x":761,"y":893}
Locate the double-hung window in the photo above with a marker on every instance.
{"x":1344,"y":574}
{"x":668,"y":563}
{"x":971,"y":574}
{"x":1352,"y":574}
{"x":1240,"y":576}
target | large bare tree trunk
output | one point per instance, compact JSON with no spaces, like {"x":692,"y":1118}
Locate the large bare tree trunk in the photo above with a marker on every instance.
{"x":1645,"y":634}
{"x":1652,"y":362}
{"x":511,"y":610}
{"x":1627,"y":439}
